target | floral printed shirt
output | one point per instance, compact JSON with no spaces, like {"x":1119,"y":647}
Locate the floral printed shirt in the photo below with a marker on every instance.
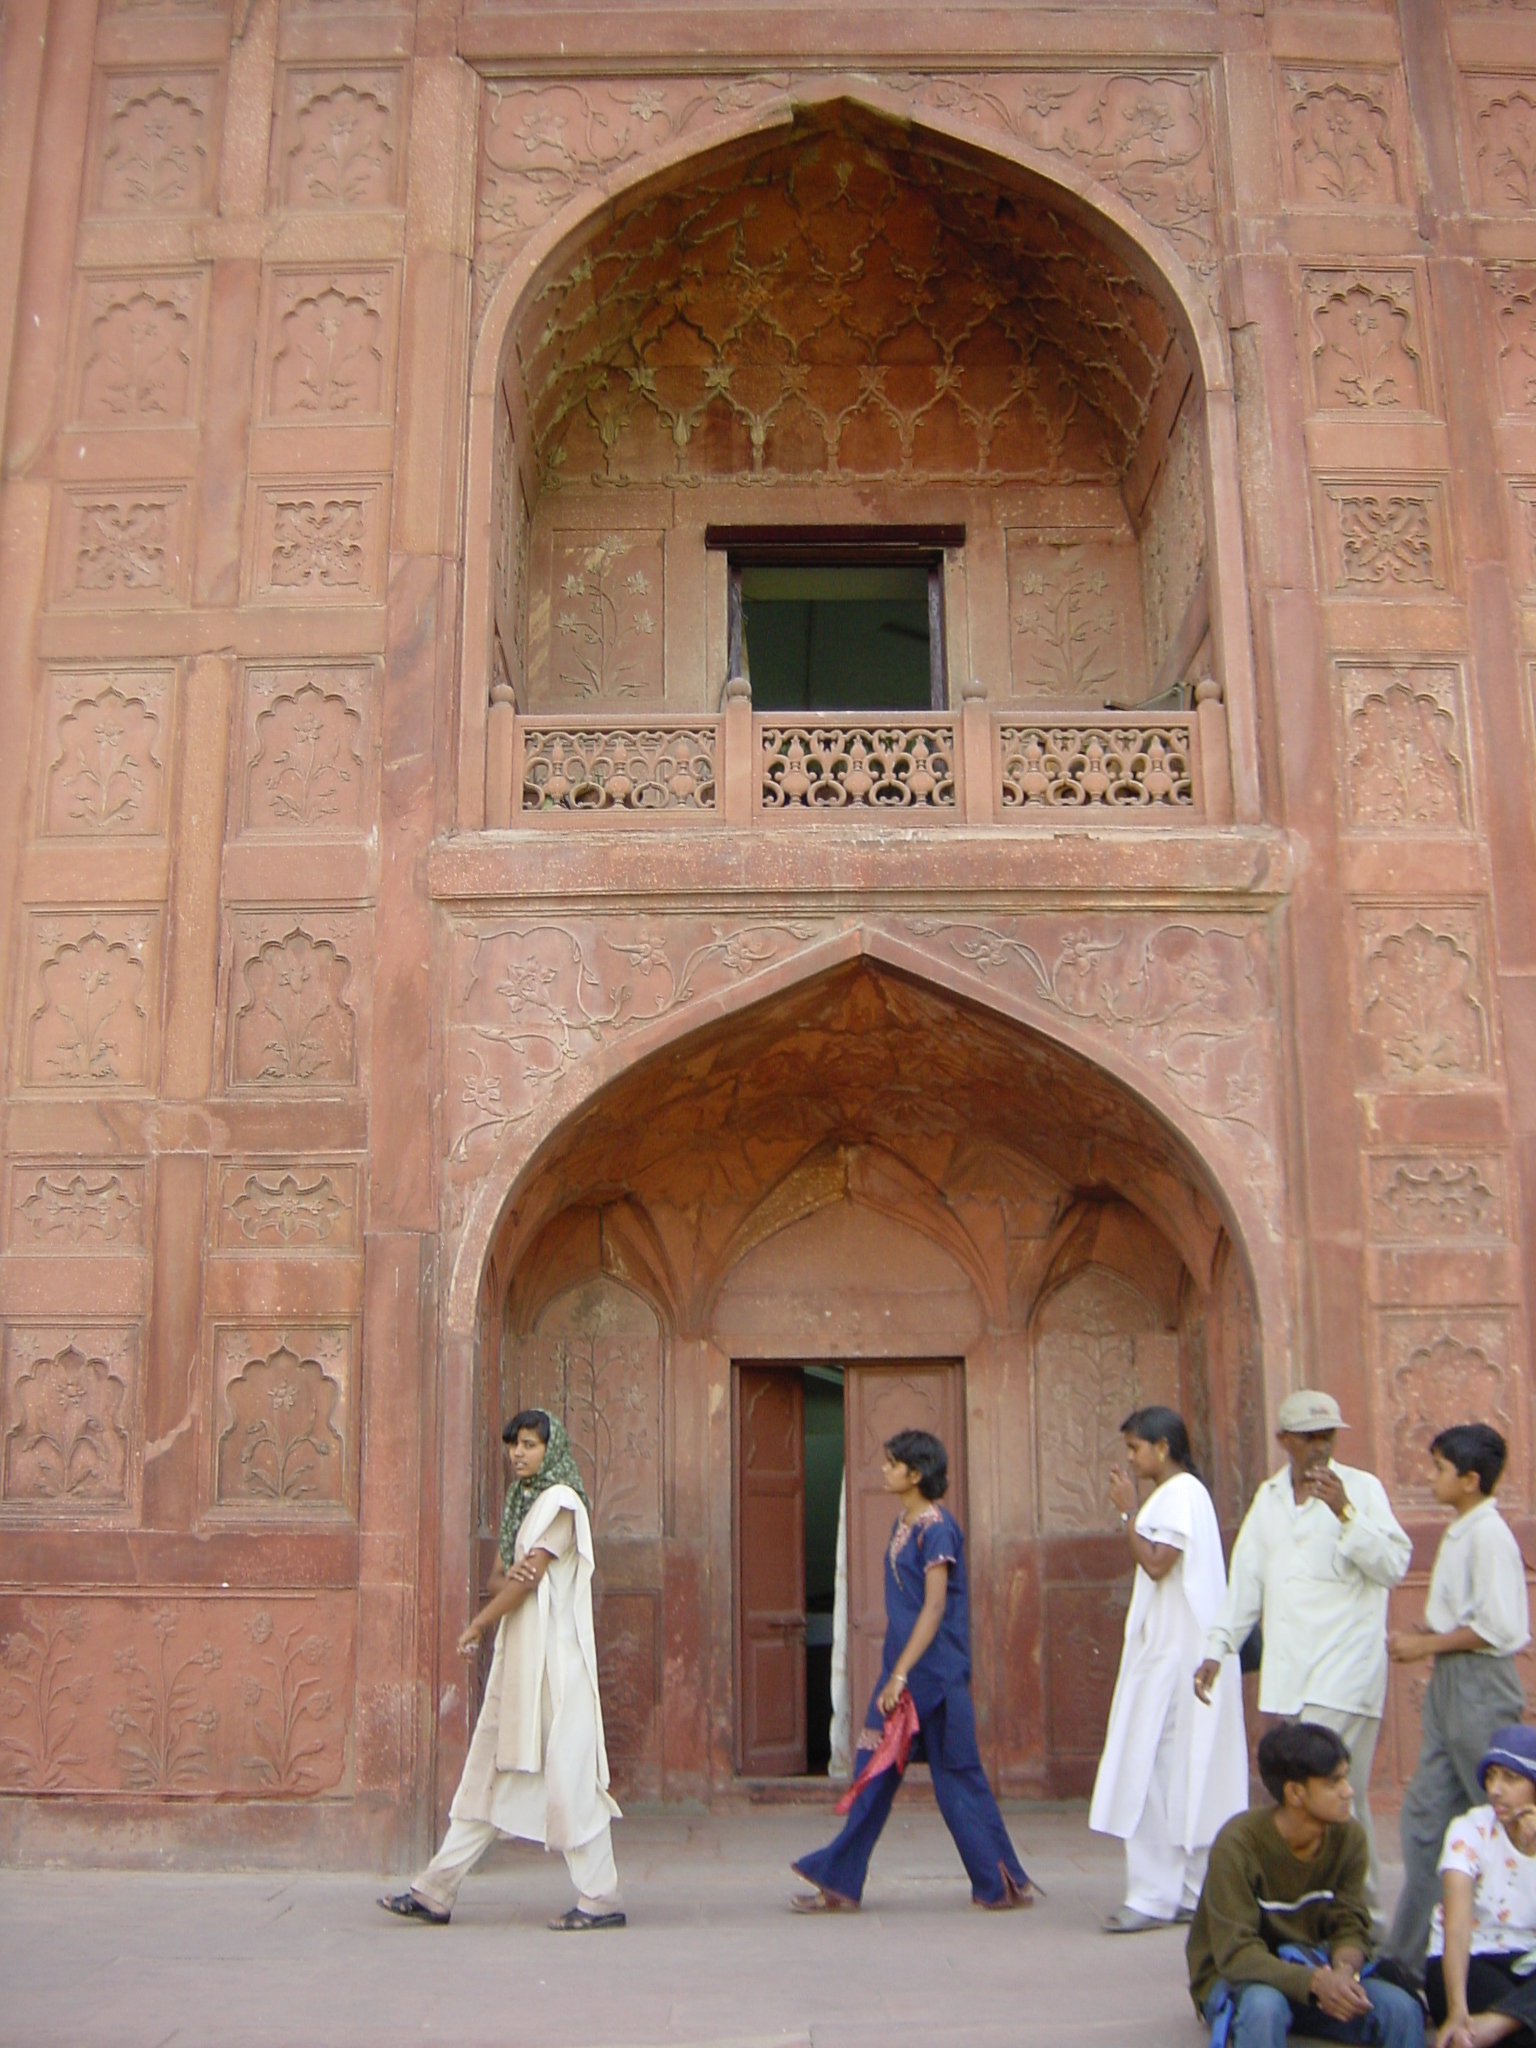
{"x":1503,"y":1886}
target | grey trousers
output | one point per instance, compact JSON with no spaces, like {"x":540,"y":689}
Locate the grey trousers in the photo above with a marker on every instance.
{"x":1358,"y":1733}
{"x":1469,"y":1695}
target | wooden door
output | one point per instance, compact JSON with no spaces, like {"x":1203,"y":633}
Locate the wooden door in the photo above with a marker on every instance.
{"x":882,"y":1399}
{"x":770,"y":1571}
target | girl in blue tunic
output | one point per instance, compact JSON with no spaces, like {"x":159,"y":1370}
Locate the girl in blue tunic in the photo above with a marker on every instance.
{"x":928,"y":1654}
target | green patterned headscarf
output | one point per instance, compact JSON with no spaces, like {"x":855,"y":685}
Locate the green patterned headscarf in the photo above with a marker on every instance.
{"x":558,"y":1469}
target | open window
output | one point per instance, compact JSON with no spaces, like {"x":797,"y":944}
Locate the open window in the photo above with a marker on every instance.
{"x":833,"y":620}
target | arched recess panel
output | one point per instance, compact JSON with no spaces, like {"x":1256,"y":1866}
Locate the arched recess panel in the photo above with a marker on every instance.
{"x":594,"y":1356}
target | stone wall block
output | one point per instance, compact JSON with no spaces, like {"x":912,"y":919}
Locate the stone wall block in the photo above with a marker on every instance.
{"x":174,"y":1360}
{"x":199,"y":838}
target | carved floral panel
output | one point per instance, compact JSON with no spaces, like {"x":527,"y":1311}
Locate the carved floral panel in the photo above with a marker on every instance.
{"x":628,"y":1626}
{"x":293,"y":1001}
{"x":279,"y":1205}
{"x":593,"y":1358}
{"x":104,"y":751}
{"x":1503,"y":133}
{"x":1384,"y":537}
{"x":69,"y":1420}
{"x":1084,"y":1635}
{"x":1405,"y":747}
{"x":92,"y":1000}
{"x":282,"y":1405}
{"x":219,"y":1696}
{"x":138,"y":349}
{"x":1449,"y":1197}
{"x":309,"y":748}
{"x":599,"y":631}
{"x":1422,"y":994}
{"x":1513,"y":295}
{"x":70,"y":1206}
{"x":330,"y":349}
{"x":1522,"y":532}
{"x":321,"y":543}
{"x":1099,"y":1353}
{"x":156,"y":143}
{"x":1338,"y":143}
{"x":1440,"y":1368}
{"x":1364,"y":343}
{"x":1075,"y":620}
{"x":1173,"y":541}
{"x":340,"y":141}
{"x":120,"y":547}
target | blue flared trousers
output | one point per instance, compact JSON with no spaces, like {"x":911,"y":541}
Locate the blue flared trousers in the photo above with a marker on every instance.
{"x":948,"y":1744}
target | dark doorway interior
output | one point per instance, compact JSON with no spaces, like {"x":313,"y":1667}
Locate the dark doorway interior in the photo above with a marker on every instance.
{"x":841,"y":637}
{"x":823,"y":1496}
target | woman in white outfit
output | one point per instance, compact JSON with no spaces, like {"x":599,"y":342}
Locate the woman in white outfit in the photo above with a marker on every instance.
{"x":537,"y":1767}
{"x":1173,"y":1769}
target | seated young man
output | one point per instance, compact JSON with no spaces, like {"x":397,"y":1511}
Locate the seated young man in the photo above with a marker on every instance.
{"x":1282,"y":1932}
{"x":1482,"y":1940}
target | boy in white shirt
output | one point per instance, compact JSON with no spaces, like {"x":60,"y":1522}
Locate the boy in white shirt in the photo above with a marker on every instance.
{"x":1476,"y":1619}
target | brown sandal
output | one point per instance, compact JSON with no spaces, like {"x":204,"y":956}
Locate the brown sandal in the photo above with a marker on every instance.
{"x":820,"y":1901}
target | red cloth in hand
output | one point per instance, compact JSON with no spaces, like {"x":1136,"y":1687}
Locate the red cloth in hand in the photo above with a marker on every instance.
{"x":892,"y":1750}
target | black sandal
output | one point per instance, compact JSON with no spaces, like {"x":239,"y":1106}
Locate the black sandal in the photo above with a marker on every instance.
{"x":409,"y":1907}
{"x":577,"y":1922}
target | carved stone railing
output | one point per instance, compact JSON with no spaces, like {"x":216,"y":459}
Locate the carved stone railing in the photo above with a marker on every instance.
{"x":566,"y":764}
{"x":1111,"y":767}
{"x":842,"y":764}
{"x":973,"y":766}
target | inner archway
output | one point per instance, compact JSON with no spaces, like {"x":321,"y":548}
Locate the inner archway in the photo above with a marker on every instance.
{"x":860,"y":1172}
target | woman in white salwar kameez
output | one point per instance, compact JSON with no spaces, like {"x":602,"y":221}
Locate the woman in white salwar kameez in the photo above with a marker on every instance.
{"x":537,"y":1768}
{"x":1173,"y":1770}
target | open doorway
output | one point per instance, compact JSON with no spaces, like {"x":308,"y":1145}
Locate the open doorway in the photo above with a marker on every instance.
{"x":812,"y":1520}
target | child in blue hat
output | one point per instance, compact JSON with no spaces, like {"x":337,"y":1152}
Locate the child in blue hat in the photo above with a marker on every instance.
{"x":1481,"y":1976}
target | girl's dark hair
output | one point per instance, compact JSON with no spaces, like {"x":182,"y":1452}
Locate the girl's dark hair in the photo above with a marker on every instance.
{"x":1156,"y":1425}
{"x":526,"y":1418}
{"x":923,"y":1454}
{"x":1473,"y":1447}
{"x":1296,"y":1751}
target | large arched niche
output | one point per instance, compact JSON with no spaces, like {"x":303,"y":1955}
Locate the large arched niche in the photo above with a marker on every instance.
{"x":865,"y":1165}
{"x":761,"y":333}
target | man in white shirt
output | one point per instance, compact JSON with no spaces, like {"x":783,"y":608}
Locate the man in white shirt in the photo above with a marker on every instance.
{"x":1317,"y":1555}
{"x":1476,"y":1620}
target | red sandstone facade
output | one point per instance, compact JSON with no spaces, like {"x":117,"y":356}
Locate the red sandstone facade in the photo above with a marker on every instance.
{"x":431,"y":987}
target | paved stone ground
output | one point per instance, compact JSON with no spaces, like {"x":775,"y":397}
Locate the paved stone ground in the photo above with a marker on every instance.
{"x":711,"y":1955}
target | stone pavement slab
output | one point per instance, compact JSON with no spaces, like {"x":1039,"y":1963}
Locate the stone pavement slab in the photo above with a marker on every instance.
{"x":120,"y":1959}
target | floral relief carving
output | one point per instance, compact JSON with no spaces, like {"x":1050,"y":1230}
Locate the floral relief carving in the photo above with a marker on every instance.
{"x":1405,"y":748}
{"x":594,"y":1359}
{"x":1098,"y":1355}
{"x":155,"y":145}
{"x":92,"y":981}
{"x":295,"y":1727}
{"x":343,"y":146}
{"x":628,"y":1672}
{"x":1173,"y":542}
{"x":1514,"y":303}
{"x":1426,"y":1199}
{"x":1423,"y":994}
{"x":1383,"y":539}
{"x":607,"y":592}
{"x":1114,"y":766}
{"x":303,"y":1208}
{"x":1342,"y":151}
{"x":282,"y":1446}
{"x":42,"y":1689}
{"x":96,"y":1208}
{"x":319,"y":544}
{"x":122,"y":547}
{"x":105,"y":775}
{"x":1436,"y":1372}
{"x":293,"y":1026}
{"x":670,"y":768}
{"x":136,"y":351}
{"x":815,"y":768}
{"x":186,"y":1696}
{"x":307,"y":771}
{"x":67,"y":1418}
{"x":1076,"y":619}
{"x":1366,"y":355}
{"x":1505,"y":122}
{"x":328,"y":347}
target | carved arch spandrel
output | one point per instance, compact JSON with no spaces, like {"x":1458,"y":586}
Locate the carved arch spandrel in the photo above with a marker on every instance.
{"x":509,"y":1182}
{"x":1152,"y":253}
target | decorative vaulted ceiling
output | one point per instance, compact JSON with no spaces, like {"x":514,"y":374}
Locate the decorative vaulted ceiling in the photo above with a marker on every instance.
{"x":843,"y":305}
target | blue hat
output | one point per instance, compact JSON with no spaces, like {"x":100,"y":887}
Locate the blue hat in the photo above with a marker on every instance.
{"x":1514,"y":1748}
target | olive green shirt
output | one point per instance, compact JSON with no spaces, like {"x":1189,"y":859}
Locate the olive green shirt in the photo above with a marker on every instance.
{"x":1258,"y":1895}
